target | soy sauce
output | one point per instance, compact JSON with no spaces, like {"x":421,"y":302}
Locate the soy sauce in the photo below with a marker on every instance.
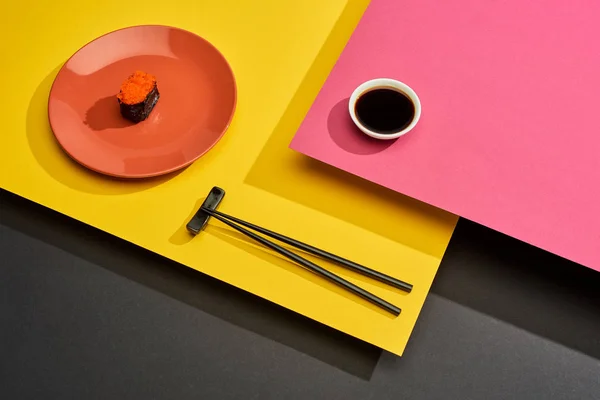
{"x":385,"y":111}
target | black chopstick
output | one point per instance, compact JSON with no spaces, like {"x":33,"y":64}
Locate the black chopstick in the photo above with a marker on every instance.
{"x":361,"y":269}
{"x":311,"y":266}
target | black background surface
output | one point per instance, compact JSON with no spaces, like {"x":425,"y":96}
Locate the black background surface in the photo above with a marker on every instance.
{"x":84,"y":315}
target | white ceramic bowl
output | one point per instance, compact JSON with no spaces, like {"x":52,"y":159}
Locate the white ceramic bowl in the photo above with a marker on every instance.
{"x":384,"y":83}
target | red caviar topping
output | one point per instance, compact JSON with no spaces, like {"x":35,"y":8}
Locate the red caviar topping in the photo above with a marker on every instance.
{"x":136,"y":88}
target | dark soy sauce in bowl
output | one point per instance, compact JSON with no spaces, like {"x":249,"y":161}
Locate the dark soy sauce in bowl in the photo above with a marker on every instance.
{"x":384,"y":110}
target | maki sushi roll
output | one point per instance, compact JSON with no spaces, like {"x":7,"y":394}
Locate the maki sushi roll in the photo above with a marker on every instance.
{"x":138,"y":96}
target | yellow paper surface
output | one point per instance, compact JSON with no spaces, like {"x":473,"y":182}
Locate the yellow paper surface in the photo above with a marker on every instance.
{"x":281,"y":52}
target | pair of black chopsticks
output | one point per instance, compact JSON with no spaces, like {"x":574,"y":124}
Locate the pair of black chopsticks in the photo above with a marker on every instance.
{"x":238,"y":225}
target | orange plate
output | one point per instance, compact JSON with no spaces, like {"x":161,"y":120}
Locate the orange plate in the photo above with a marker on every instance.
{"x":197,"y":101}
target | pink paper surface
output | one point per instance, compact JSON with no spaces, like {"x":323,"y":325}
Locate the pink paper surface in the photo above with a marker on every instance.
{"x":510,"y":131}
